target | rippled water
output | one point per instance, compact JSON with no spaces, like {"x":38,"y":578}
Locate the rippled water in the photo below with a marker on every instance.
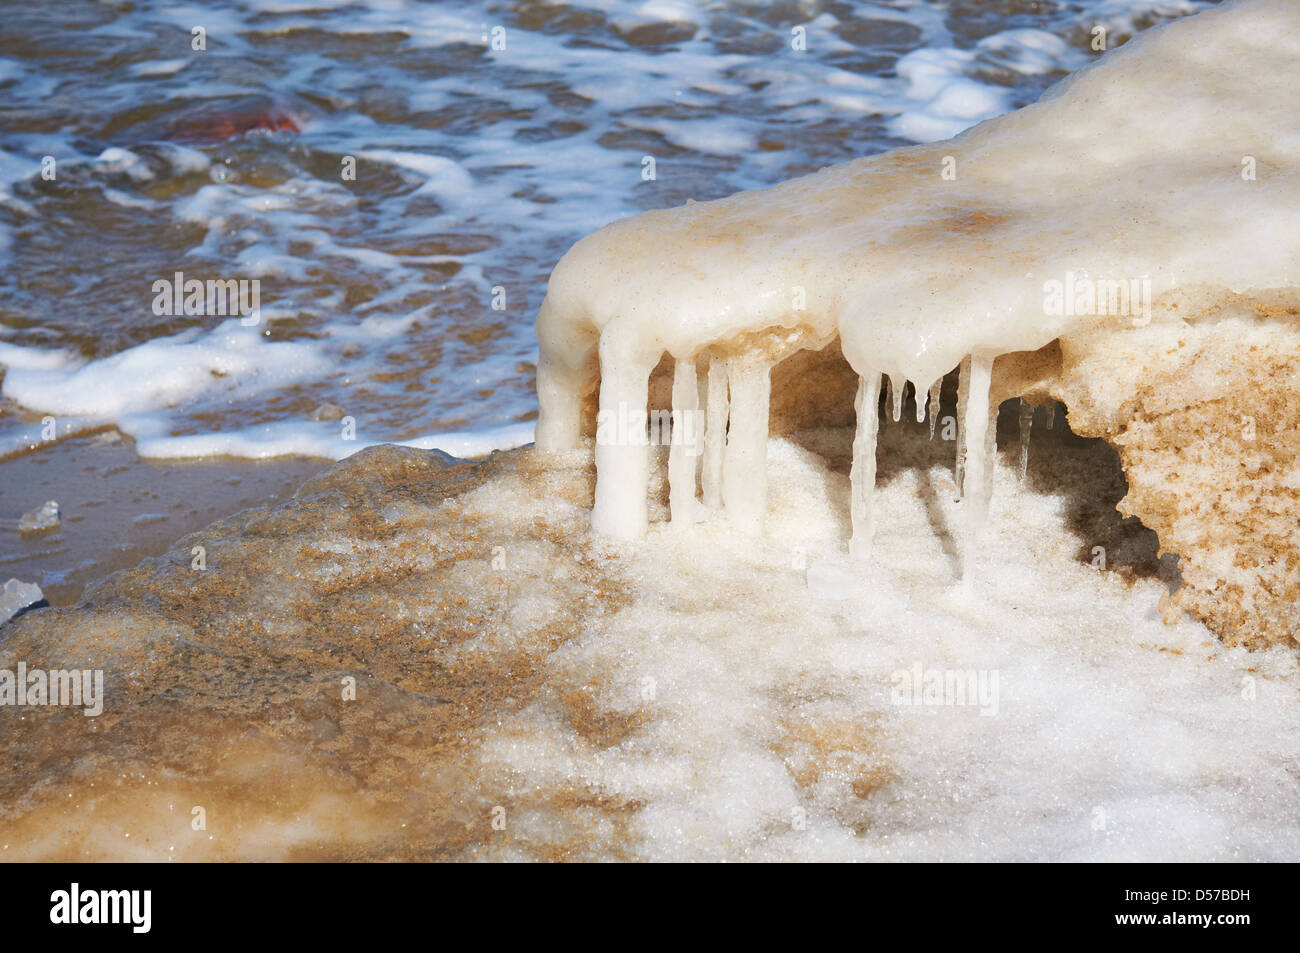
{"x":487,"y":137}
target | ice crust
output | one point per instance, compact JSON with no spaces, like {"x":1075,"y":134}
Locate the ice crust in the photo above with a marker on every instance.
{"x":1133,"y":170}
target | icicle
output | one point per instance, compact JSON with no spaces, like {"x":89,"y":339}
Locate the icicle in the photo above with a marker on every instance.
{"x":562,"y":378}
{"x":685,"y":446}
{"x":889,"y":393}
{"x":981,"y":439}
{"x":896,"y":391}
{"x":622,"y":457}
{"x":935,"y":390}
{"x":1051,"y":414}
{"x":963,"y":398}
{"x":715,"y":433}
{"x":862,"y":477}
{"x":1026,"y":424}
{"x":920,"y":404}
{"x":744,"y":463}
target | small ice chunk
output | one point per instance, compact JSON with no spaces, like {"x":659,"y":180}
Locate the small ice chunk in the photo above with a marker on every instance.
{"x":46,"y":516}
{"x":18,"y":596}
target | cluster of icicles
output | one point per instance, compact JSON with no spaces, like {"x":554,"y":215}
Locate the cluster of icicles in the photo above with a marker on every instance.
{"x":730,"y":476}
{"x":1116,"y":174}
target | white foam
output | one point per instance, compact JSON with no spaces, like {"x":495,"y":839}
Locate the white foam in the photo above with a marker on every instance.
{"x":720,"y":135}
{"x":18,"y":358}
{"x":114,"y":159}
{"x":325,"y":439}
{"x":445,"y":178}
{"x":946,"y":101}
{"x":159,"y":373}
{"x":15,"y":168}
{"x":159,"y":67}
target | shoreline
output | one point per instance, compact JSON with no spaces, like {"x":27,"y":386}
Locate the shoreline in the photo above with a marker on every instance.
{"x":118,"y":508}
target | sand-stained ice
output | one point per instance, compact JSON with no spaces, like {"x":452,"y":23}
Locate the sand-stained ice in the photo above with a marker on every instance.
{"x":1169,"y":160}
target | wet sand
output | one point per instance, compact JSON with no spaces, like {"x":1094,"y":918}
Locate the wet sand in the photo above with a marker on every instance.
{"x":118,"y":509}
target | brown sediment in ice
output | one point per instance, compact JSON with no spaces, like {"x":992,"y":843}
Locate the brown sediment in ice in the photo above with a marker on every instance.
{"x":225,"y":686}
{"x":1204,"y":410}
{"x":1202,"y":405}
